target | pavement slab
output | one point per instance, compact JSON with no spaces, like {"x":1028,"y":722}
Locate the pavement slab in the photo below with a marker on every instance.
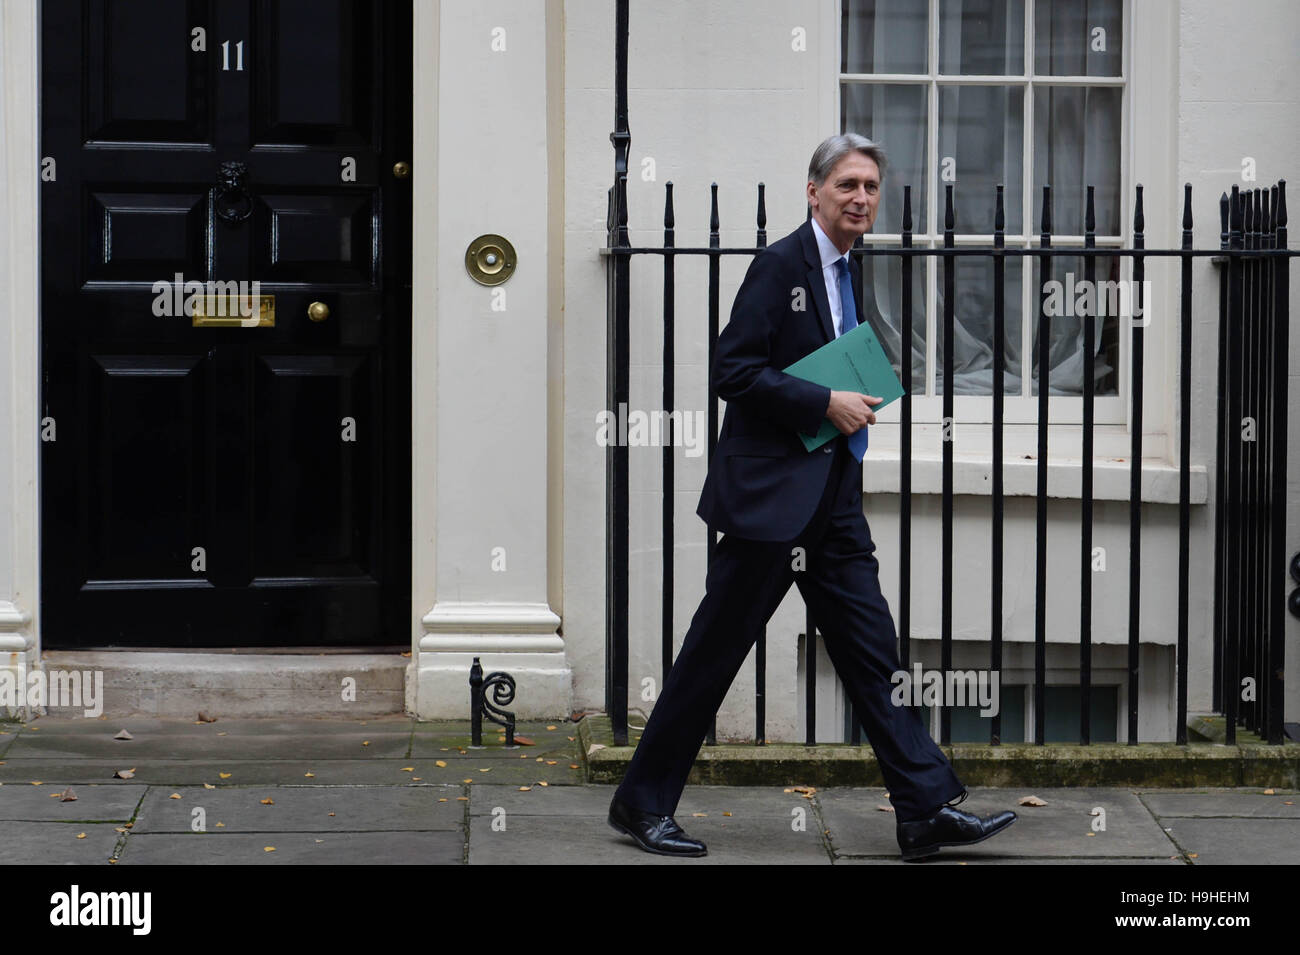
{"x":1060,"y":829}
{"x":105,"y":803}
{"x":57,"y":843}
{"x":303,"y":809}
{"x":295,"y":848}
{"x":1235,"y":841}
{"x":1253,"y":804}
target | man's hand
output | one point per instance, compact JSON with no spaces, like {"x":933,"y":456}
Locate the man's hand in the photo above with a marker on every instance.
{"x":850,"y":411}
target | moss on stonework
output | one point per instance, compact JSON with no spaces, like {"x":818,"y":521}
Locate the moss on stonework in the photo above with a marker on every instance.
{"x":1249,"y":762}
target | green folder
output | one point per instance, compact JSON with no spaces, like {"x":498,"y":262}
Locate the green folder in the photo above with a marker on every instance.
{"x":853,"y":362}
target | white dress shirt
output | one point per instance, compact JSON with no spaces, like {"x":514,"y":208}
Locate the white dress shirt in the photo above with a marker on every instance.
{"x":830,"y":273}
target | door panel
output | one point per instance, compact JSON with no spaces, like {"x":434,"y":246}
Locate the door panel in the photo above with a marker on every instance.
{"x":245,"y":484}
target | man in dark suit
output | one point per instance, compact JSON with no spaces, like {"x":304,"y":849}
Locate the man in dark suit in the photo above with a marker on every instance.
{"x":769,"y":496}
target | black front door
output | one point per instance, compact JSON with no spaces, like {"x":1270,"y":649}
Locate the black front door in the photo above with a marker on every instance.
{"x":225,"y":299}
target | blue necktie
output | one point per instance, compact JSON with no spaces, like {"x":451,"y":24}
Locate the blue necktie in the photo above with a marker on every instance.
{"x":849,"y":321}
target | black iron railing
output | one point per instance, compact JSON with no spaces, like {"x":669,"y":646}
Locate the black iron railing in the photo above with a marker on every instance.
{"x":1251,"y":465}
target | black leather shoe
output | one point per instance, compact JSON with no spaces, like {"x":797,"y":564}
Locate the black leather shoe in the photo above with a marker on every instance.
{"x":948,"y":827}
{"x":658,"y":834}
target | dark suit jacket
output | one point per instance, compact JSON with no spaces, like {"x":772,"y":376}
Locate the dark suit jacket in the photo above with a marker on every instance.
{"x":762,"y":483}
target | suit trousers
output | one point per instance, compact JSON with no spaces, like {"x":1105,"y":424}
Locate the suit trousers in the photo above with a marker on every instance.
{"x":839,"y":582}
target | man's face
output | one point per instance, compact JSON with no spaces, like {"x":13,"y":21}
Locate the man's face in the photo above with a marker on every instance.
{"x":845,"y":204}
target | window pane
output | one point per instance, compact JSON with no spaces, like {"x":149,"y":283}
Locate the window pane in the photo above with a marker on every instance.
{"x":973,"y":327}
{"x":895,"y":117}
{"x":882,"y":290}
{"x":982,"y":37}
{"x":884,"y":36}
{"x":969,"y":726}
{"x":1063,"y":703}
{"x":1077,"y":144}
{"x":1065,"y":354}
{"x":1078,"y":37}
{"x":981,"y":141}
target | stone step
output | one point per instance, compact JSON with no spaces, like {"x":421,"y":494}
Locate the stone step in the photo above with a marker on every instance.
{"x":232,"y":684}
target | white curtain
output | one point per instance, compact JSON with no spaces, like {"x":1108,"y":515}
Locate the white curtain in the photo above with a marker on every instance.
{"x":981,"y":130}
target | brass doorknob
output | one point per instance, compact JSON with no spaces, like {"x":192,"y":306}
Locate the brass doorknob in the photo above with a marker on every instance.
{"x":318,"y":311}
{"x":401,"y":170}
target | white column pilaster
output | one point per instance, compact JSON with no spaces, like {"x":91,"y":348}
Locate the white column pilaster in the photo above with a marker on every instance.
{"x":481,"y":431}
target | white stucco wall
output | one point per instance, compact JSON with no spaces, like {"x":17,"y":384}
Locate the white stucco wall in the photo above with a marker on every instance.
{"x":717,"y":94}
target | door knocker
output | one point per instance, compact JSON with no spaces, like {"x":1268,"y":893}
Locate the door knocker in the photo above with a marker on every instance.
{"x":231,"y":197}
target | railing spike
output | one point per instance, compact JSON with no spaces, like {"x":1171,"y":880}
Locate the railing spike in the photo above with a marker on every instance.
{"x":999,"y":213}
{"x":1187,"y":207}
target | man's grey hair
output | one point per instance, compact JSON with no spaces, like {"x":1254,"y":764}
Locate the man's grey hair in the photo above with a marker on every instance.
{"x":834,"y":148}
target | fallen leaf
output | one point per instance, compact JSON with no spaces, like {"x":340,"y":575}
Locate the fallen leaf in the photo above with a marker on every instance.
{"x":331,"y":814}
{"x":308,"y":775}
{"x":487,"y":770}
{"x":525,"y":789}
{"x":462,"y":799}
{"x":541,"y":759}
{"x":1268,"y":792}
{"x":805,"y":790}
{"x":406,"y":654}
{"x":574,"y":766}
{"x":885,"y":808}
{"x":222,"y":734}
{"x":209,"y":786}
{"x":552,"y":727}
{"x":726,"y":814}
{"x":129,"y":825}
{"x":268,"y":848}
{"x":524,"y":741}
{"x":68,"y":795}
{"x":440,"y":763}
{"x":1287,"y":802}
{"x":365,"y":742}
{"x":204,"y":718}
{"x":81,"y":835}
{"x":415,"y":779}
{"x":124,"y":773}
{"x":37,"y":782}
{"x":467,"y":780}
{"x":320,"y":840}
{"x":221,"y":825}
{"x":225,"y":775}
{"x":444,"y":749}
{"x":118,"y":829}
{"x":408,"y":769}
{"x":1191,"y":855}
{"x":444,"y":799}
{"x":551,"y":762}
{"x":123,"y":734}
{"x":573,"y":739}
{"x":699,"y":815}
{"x":174,"y":796}
{"x":268,"y":801}
{"x":1030,"y":801}
{"x":543,"y":782}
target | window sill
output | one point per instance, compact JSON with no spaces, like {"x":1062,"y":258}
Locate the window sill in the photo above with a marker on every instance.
{"x":973,"y":474}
